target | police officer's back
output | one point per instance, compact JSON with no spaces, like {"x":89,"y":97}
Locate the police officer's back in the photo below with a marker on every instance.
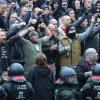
{"x":66,"y":85}
{"x":17,"y":88}
{"x":91,"y":90}
{"x":3,"y":95}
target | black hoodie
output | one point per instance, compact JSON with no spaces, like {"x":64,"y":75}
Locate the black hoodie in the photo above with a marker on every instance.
{"x":42,"y":81}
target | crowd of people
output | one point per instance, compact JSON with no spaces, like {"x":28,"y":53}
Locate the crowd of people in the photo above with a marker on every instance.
{"x":49,"y":49}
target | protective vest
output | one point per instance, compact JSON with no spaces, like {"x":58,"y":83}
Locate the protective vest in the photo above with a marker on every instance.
{"x":70,"y":58}
{"x":19,"y":91}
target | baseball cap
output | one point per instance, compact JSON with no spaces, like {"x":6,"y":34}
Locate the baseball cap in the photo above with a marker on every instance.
{"x":32,"y":34}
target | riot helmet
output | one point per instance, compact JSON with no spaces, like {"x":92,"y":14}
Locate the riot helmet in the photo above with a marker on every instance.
{"x":96,"y":72}
{"x":68,"y":75}
{"x":16,"y":71}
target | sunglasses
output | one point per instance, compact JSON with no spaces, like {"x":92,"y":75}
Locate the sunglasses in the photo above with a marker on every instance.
{"x":72,"y":28}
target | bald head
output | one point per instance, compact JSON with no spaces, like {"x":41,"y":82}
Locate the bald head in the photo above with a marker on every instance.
{"x":91,"y":54}
{"x":64,"y":17}
{"x":53,"y":21}
{"x":51,"y":26}
{"x":89,"y":51}
{"x":37,"y":10}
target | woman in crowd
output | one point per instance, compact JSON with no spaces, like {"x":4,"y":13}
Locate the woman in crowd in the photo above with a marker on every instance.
{"x":41,"y":78}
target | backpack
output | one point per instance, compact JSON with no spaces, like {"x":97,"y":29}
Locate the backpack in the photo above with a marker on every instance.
{"x":64,"y":94}
{"x":46,"y":86}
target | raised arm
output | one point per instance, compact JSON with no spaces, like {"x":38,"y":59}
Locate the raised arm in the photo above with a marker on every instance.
{"x":47,"y":33}
{"x":86,"y":11}
{"x":77,"y":23}
{"x":95,"y":31}
{"x":85,"y":34}
{"x":20,"y":34}
{"x":15,"y":30}
{"x":24,"y":32}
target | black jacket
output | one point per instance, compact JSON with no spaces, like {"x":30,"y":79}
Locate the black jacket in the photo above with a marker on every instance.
{"x":6,"y":49}
{"x":3,"y":23}
{"x":51,"y":55}
{"x":6,"y":54}
{"x":90,"y":91}
{"x":81,"y":68}
{"x":42,"y":82}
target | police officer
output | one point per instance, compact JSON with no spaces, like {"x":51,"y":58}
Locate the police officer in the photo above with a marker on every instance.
{"x":17,"y":88}
{"x":3,"y":95}
{"x":66,"y":85}
{"x":91,"y":90}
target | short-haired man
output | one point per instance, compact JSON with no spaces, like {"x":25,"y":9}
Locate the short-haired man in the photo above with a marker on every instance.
{"x":84,"y":68}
